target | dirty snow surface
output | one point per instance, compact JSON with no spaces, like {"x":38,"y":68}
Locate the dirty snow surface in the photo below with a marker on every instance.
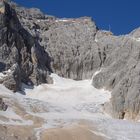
{"x":67,"y":102}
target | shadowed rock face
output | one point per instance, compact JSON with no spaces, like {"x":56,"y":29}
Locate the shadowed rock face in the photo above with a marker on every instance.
{"x":20,"y":52}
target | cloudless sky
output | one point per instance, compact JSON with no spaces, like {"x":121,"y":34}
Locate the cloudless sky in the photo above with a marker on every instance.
{"x":122,"y":16}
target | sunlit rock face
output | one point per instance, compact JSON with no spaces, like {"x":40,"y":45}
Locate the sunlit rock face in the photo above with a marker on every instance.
{"x":120,"y":74}
{"x":72,"y":46}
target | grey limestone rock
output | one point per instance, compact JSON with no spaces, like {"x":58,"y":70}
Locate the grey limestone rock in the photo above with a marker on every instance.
{"x":120,"y":75}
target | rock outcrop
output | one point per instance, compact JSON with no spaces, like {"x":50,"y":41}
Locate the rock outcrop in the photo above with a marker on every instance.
{"x":20,"y":52}
{"x":3,"y":106}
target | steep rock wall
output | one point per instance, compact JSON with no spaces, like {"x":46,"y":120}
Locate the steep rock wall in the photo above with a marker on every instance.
{"x":20,"y":53}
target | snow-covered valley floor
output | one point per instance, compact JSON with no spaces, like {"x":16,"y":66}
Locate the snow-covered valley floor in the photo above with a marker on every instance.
{"x":64,"y":103}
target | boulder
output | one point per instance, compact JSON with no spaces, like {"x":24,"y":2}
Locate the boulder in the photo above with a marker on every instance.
{"x":3,"y":106}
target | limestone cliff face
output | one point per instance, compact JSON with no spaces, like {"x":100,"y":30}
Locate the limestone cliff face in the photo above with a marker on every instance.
{"x":73,"y":40}
{"x":34,"y":44}
{"x":69,"y":42}
{"x":120,"y":74}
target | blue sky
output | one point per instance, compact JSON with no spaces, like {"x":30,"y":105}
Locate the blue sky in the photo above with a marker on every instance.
{"x":121,"y":15}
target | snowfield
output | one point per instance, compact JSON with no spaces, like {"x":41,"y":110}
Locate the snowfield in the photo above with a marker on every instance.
{"x":67,"y":102}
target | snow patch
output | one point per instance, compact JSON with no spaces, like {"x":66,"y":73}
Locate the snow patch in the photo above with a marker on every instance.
{"x":4,"y":74}
{"x":17,"y":122}
{"x":99,"y":134}
{"x":135,"y":39}
{"x":13,"y":118}
{"x":62,"y":20}
{"x":68,"y":100}
{"x":97,"y":72}
{"x":96,"y":39}
{"x":138,"y":39}
{"x":4,"y":92}
{"x":10,"y":114}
